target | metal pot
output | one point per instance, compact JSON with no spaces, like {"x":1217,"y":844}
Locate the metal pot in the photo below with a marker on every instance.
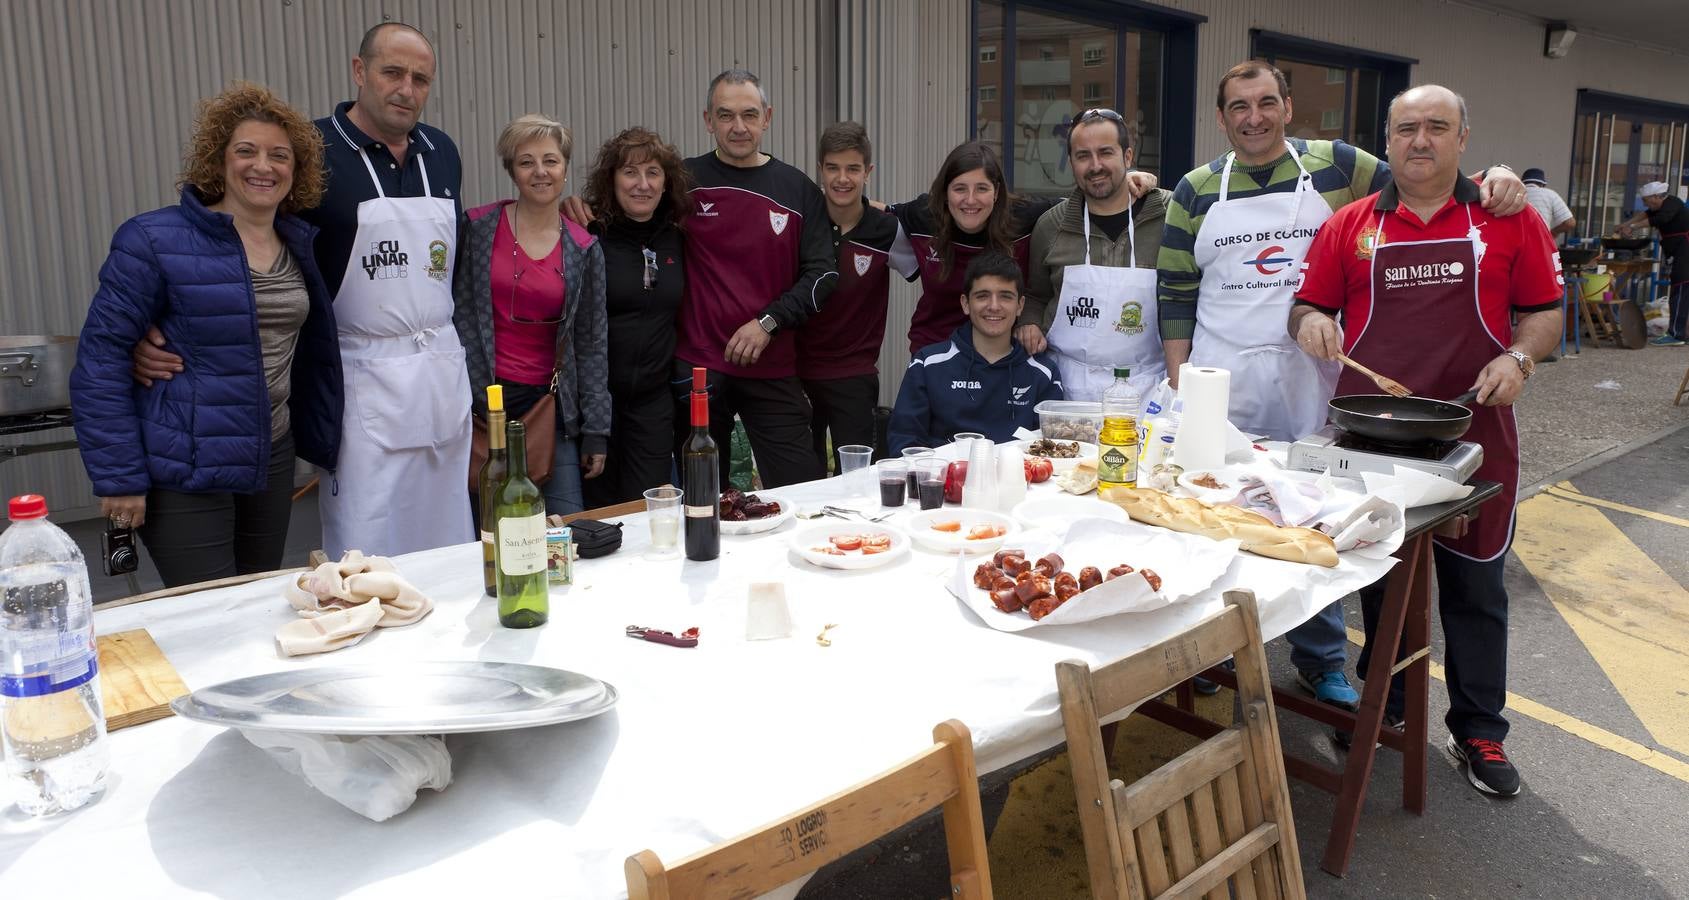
{"x":35,"y":373}
{"x":1400,"y":420}
{"x":1618,"y":243}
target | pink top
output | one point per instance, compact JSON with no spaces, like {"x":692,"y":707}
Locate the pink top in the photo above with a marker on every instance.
{"x":530,"y":290}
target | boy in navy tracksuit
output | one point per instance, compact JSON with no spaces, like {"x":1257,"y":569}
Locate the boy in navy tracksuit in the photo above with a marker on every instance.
{"x":981,"y":379}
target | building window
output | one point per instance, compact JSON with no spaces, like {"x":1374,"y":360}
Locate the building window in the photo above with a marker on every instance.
{"x":1349,"y":88}
{"x":1047,"y":62}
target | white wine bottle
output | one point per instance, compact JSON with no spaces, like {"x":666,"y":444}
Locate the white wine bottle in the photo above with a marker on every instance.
{"x":519,"y":529}
{"x":493,"y":473}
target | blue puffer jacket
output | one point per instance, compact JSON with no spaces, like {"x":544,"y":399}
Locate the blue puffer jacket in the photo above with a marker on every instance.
{"x":183,"y":268}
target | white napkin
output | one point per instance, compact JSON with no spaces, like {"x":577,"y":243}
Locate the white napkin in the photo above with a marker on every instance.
{"x":1411,"y":487}
{"x":340,"y":602}
{"x":1282,"y":497}
{"x":375,"y":776}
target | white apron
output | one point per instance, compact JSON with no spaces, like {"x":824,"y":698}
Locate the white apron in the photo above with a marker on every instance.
{"x":1106,"y":318}
{"x":1251,"y":251}
{"x":404,"y":447}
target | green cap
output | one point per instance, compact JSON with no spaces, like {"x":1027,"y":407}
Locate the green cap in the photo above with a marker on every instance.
{"x":1123,"y":373}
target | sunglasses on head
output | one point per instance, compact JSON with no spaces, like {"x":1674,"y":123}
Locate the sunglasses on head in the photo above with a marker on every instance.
{"x":1098,"y":113}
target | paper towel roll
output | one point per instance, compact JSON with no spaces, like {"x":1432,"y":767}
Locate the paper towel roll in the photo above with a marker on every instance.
{"x":1205,"y":393}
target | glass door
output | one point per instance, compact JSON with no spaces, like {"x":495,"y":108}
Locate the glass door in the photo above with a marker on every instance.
{"x":1613,"y":156}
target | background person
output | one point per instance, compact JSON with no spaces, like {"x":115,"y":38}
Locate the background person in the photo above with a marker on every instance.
{"x":981,"y":379}
{"x":1670,"y":217}
{"x":638,"y":192}
{"x":839,"y":348}
{"x":1091,"y":284}
{"x":202,"y":462}
{"x":529,"y":307}
{"x":1548,"y":204}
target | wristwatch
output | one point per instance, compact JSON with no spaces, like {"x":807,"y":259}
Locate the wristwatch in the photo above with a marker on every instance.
{"x":769,"y":326}
{"x":1526,"y":364}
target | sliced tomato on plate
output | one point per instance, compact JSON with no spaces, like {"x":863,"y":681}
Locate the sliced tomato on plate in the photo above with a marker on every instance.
{"x":847,"y":542}
{"x":947,"y":526}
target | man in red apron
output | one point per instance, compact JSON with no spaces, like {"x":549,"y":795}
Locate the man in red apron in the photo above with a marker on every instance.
{"x":1426,"y":282}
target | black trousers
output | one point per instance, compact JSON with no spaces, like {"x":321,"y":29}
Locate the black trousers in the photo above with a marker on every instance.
{"x":1472,"y":602}
{"x":776,"y":415}
{"x":845,"y":407}
{"x":198,"y":537}
{"x":641,"y":448}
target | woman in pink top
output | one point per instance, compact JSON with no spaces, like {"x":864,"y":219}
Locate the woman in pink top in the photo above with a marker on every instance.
{"x":529,"y":296}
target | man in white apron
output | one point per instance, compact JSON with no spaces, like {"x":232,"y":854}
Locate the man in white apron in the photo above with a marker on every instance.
{"x":388,"y":222}
{"x":1086,"y":253}
{"x":405,"y":442}
{"x":1237,"y":233}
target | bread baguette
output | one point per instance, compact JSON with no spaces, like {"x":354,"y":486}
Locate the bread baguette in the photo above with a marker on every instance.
{"x":1081,"y":479}
{"x":1258,"y":534}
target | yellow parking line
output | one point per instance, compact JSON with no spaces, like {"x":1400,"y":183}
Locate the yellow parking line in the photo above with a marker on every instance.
{"x":1565,"y":491}
{"x":1600,"y":737}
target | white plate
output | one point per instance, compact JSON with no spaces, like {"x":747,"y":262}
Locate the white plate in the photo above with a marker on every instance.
{"x":804,"y":540}
{"x":767,"y":523}
{"x":1056,"y":511}
{"x":920,"y":528}
{"x":1086,"y":451}
{"x":1211,"y":496}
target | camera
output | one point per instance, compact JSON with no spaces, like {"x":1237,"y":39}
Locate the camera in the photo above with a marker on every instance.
{"x":117,"y":550}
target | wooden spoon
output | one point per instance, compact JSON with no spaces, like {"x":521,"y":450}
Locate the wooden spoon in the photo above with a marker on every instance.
{"x":1388,"y":385}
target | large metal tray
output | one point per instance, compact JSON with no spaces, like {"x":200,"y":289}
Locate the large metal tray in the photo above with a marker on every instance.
{"x":410,"y":698}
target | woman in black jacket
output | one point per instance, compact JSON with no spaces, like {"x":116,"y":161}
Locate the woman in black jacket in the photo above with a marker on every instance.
{"x":637,"y":192}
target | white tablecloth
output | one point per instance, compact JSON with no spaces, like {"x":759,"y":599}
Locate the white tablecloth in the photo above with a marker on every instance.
{"x":705,"y":743}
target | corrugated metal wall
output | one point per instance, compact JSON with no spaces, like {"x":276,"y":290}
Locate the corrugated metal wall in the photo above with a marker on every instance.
{"x":1522,"y":103}
{"x":98,"y":98}
{"x":903,"y":73}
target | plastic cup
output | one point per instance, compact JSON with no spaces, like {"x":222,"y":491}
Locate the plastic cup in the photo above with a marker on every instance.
{"x":910,"y":456}
{"x":662,"y":507}
{"x":853,"y":469}
{"x":894,"y":482}
{"x":967,"y":436}
{"x":929,"y":481}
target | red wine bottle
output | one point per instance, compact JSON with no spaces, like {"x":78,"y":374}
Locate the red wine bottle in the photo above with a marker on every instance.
{"x":701,"y":474}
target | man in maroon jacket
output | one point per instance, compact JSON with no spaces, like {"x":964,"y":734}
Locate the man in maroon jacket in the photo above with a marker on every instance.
{"x":839,"y":350}
{"x":759,"y":263}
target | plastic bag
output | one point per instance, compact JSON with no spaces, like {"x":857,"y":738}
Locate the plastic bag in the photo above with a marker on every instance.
{"x":375,"y":776}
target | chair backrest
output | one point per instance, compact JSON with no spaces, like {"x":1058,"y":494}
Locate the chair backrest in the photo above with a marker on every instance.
{"x":608,"y":512}
{"x":1218,"y":816}
{"x":759,"y":861}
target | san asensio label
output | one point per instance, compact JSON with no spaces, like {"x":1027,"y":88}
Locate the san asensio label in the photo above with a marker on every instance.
{"x":521,"y":549}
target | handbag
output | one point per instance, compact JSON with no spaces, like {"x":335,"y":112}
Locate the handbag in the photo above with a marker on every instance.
{"x":593,"y":538}
{"x":540,"y":422}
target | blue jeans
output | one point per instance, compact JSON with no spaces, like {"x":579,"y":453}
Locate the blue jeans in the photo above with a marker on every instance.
{"x":563,"y":491}
{"x":1320,"y":644}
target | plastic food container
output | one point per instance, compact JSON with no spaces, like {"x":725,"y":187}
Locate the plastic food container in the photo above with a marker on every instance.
{"x":1070,"y":420}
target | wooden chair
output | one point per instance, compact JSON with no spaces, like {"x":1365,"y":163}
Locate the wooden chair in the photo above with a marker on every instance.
{"x":1218,"y":814}
{"x":755,"y":863}
{"x":1682,"y":389}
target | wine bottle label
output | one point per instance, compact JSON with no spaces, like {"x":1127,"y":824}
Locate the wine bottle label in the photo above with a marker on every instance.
{"x":701,"y":512}
{"x":521,"y":545}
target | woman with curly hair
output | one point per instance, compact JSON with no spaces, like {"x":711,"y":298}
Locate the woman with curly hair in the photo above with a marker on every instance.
{"x":202,"y":462}
{"x":638,"y":194}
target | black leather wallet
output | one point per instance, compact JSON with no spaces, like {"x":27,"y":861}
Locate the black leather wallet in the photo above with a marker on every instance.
{"x":593,"y":538}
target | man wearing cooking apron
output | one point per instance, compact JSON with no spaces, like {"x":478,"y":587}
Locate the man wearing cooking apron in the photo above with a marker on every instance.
{"x":1094,"y":253}
{"x":1670,"y":216}
{"x":387,"y":233}
{"x":1237,"y":231}
{"x":1427,"y":283}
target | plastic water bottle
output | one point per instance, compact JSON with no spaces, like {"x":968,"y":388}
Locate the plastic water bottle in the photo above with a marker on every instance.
{"x":1117,"y":444}
{"x":52,"y":729}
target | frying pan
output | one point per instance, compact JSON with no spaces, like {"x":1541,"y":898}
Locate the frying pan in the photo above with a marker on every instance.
{"x":1401,"y":420}
{"x":1618,"y":243}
